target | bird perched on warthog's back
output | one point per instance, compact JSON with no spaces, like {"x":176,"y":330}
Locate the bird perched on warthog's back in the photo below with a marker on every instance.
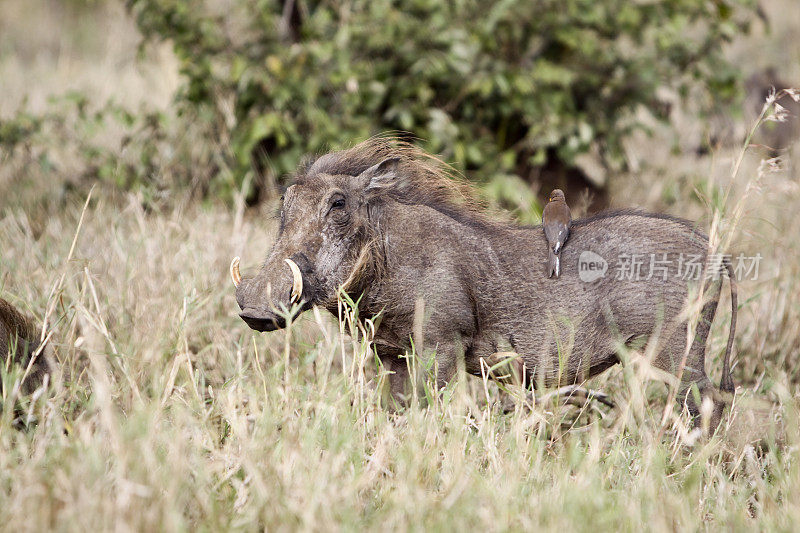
{"x":556,"y":220}
{"x":19,"y":339}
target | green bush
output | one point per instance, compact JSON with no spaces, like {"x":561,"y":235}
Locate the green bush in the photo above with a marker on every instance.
{"x":500,"y":89}
{"x":496,"y":87}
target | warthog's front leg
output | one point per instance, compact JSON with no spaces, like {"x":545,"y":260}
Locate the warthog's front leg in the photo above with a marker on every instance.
{"x":505,"y":367}
{"x":399,"y":383}
{"x":407,"y":375}
{"x":446,"y":363}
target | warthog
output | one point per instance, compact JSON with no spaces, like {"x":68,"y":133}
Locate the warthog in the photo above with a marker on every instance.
{"x":19,"y":341}
{"x":392,"y":225}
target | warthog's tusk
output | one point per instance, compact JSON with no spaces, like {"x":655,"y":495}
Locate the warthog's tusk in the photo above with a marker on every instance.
{"x":297,"y":281}
{"x":236,"y":276}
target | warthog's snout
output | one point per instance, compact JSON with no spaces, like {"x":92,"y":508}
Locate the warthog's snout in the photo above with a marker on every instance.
{"x":262,"y":308}
{"x":262,"y":320}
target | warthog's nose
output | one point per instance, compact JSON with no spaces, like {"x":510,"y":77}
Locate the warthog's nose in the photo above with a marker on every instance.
{"x":262,"y":320}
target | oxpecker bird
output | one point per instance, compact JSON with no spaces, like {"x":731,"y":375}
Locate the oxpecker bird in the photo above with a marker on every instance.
{"x":556,"y":219}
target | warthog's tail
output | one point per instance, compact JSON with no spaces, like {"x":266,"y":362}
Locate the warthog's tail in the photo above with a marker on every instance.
{"x":726,"y":382}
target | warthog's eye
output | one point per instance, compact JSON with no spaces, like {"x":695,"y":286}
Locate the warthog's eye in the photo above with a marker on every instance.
{"x":336,"y":202}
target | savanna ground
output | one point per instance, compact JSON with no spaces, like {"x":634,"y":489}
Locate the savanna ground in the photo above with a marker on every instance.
{"x":168,"y":413}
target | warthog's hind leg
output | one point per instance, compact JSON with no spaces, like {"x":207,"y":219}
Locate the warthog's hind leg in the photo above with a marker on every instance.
{"x":576,"y":395}
{"x":508,"y":368}
{"x":694,"y":387}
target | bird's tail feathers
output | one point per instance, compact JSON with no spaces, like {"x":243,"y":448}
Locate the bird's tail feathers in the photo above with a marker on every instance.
{"x":553,"y":264}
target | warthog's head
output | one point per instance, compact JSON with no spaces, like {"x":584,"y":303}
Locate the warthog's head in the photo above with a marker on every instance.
{"x":325,"y":240}
{"x":332,"y":226}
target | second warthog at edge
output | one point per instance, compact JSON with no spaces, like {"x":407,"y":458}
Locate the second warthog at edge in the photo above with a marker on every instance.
{"x":19,"y":342}
{"x":391,"y":225}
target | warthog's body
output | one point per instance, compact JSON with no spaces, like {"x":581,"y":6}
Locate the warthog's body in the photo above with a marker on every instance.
{"x":402,"y":240}
{"x":19,"y":340}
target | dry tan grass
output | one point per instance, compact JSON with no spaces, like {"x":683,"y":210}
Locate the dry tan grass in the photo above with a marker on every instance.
{"x":172,"y":415}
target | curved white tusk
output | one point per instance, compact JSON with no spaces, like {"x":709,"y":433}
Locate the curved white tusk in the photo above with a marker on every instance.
{"x":236,"y":276}
{"x":297,"y":281}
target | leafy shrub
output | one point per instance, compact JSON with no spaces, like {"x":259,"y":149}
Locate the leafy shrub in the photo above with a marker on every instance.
{"x":501,"y":89}
{"x":498,"y":87}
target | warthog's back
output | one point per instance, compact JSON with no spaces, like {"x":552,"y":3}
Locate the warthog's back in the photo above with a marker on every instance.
{"x":628,"y":259}
{"x":624,"y":276}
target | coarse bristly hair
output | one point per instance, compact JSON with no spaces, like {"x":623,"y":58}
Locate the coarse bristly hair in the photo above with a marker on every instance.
{"x":422,"y":179}
{"x":16,"y":324}
{"x":19,"y":339}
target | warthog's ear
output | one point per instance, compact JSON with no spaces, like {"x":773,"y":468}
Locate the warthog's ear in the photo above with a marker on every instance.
{"x":381,"y":176}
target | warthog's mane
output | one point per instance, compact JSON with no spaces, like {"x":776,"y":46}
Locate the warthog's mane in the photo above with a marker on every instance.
{"x":422,"y":179}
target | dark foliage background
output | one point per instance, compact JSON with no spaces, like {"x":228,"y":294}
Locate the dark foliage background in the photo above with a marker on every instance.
{"x":498,"y":88}
{"x":513,"y":93}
